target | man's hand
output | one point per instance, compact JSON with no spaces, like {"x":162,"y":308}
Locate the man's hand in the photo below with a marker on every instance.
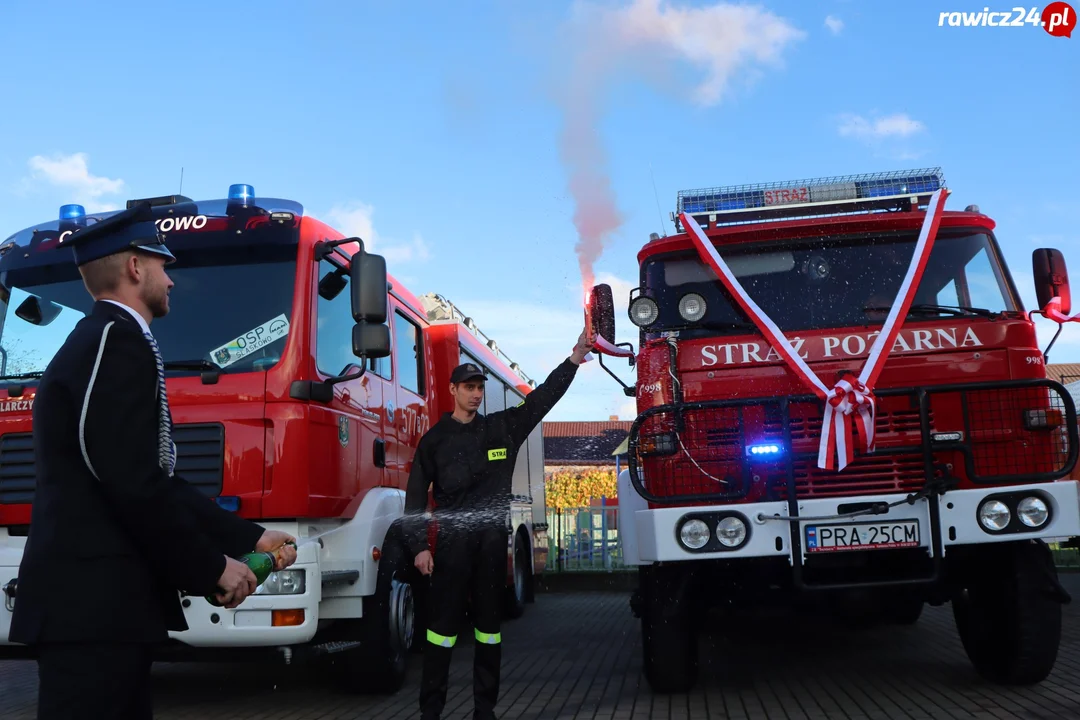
{"x":273,"y":541}
{"x":584,"y":347}
{"x":236,"y":583}
{"x":424,"y":562}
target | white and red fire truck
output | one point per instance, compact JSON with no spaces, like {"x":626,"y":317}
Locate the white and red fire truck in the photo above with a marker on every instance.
{"x":301,"y":378}
{"x":842,"y":401}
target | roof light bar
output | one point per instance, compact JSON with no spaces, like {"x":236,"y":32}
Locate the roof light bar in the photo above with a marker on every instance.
{"x":241,"y":194}
{"x":901,"y":190}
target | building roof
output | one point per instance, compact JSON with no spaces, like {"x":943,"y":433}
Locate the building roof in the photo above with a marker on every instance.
{"x":585,"y":429}
{"x":583,"y":443}
{"x":1063,"y":373}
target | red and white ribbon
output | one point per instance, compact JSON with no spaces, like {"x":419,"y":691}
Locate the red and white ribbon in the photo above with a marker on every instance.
{"x":851,"y":393}
{"x":1052,"y":311}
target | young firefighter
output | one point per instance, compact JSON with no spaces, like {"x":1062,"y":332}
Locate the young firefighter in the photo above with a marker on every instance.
{"x":469,"y":458}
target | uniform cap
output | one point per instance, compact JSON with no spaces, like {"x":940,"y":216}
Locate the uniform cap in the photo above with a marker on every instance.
{"x":467,"y":371}
{"x":132,"y":229}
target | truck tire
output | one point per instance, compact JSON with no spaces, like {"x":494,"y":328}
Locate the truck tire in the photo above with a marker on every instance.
{"x":1008,"y":613}
{"x":386,"y":631}
{"x":668,"y":636}
{"x":518,"y":593}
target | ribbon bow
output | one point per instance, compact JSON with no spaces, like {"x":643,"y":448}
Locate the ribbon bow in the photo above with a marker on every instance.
{"x":847,"y":396}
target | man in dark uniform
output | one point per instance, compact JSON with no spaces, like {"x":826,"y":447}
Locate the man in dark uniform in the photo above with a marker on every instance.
{"x":114,"y":533}
{"x":469,"y":458}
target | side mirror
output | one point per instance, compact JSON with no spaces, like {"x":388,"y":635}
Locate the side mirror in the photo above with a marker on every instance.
{"x":36,"y":312}
{"x":1051,"y":278}
{"x":602,"y":312}
{"x":370,"y":341}
{"x":367,"y":274}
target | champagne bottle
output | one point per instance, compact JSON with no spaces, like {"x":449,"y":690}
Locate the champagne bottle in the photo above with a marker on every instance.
{"x":261,"y":564}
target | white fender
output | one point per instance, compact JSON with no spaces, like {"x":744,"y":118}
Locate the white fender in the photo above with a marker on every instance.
{"x":349,"y":547}
{"x":629,"y":503}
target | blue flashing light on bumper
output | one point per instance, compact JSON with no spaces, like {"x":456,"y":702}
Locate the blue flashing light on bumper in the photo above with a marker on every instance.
{"x":228,"y":502}
{"x":766,"y":451}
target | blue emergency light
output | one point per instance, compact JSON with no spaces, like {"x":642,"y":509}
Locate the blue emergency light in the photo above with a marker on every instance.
{"x":901,"y":190}
{"x":72,"y":212}
{"x":241,"y":193}
{"x":766,"y":451}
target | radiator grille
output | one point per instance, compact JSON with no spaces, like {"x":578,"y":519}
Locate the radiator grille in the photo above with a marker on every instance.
{"x":200,"y":458}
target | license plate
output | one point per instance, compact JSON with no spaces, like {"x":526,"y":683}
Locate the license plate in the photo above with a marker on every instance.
{"x":862,"y":536}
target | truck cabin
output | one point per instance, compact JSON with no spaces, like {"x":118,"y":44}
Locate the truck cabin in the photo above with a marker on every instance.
{"x":240,"y":343}
{"x":722,"y":416}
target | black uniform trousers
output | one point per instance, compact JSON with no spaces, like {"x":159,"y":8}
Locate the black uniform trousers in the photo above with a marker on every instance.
{"x":94,"y":681}
{"x":470,"y":562}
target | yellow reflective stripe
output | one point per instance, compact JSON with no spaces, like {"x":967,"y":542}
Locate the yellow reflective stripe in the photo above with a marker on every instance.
{"x":441,"y":640}
{"x":488,"y":638}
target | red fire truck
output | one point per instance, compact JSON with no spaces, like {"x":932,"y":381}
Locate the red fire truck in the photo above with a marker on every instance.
{"x":732,"y":496}
{"x":301,"y":377}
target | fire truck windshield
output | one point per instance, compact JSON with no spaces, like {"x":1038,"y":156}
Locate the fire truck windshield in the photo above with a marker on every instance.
{"x":829,"y":282}
{"x":230,"y":305}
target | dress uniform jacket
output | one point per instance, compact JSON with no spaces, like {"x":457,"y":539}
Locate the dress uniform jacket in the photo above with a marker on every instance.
{"x":113,"y":535}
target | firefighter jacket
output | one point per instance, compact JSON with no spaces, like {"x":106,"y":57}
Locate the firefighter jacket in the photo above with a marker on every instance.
{"x":470,"y":466}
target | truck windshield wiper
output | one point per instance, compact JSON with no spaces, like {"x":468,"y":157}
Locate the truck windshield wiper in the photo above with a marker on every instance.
{"x":210,"y":371}
{"x":23,"y":376}
{"x":736,"y":325}
{"x":191,"y":365}
{"x":931,"y":309}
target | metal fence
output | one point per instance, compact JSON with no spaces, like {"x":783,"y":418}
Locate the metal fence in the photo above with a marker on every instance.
{"x":584,"y":539}
{"x":587,"y":540}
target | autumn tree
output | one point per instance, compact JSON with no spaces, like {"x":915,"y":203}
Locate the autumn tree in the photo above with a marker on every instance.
{"x":576,"y":488}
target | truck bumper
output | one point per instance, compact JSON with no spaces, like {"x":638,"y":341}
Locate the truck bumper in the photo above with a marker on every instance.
{"x":262,"y":620}
{"x":657,"y":531}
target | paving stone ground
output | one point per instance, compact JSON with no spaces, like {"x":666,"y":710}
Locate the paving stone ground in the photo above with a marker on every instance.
{"x":578,"y":655}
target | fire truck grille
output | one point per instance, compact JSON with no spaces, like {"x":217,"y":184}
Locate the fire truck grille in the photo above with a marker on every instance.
{"x":704,"y":457}
{"x":1025,"y":431}
{"x":16,"y":468}
{"x":866,"y":476}
{"x":200,"y":459}
{"x":979,"y":433}
{"x":806,"y":421}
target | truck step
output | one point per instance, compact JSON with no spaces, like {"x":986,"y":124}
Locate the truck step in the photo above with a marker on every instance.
{"x":340,"y":577}
{"x":328,"y":648}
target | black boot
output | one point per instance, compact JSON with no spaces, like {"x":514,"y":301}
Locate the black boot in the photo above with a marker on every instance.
{"x":434,"y":682}
{"x":487,"y":664}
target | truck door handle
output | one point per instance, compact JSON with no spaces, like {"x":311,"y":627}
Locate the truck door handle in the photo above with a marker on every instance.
{"x":380,"y":453}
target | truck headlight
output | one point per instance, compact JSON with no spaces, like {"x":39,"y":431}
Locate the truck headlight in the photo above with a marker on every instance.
{"x":692,"y":307}
{"x":994,"y":515}
{"x":643,"y":311}
{"x":694,"y":534}
{"x":1032,"y":511}
{"x":731,"y":531}
{"x":283,"y":582}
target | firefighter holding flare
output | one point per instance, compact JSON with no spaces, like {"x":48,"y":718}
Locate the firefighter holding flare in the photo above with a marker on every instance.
{"x":468,"y":460}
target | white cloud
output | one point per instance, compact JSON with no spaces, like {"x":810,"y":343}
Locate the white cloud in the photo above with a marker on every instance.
{"x":719,"y":38}
{"x":355,"y":220}
{"x":72,"y":173}
{"x":897,"y":125}
{"x":834,"y":24}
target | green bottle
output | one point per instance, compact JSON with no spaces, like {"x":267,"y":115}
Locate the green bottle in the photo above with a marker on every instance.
{"x":261,"y":563}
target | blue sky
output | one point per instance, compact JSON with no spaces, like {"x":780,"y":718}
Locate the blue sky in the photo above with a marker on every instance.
{"x":436,"y":130}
